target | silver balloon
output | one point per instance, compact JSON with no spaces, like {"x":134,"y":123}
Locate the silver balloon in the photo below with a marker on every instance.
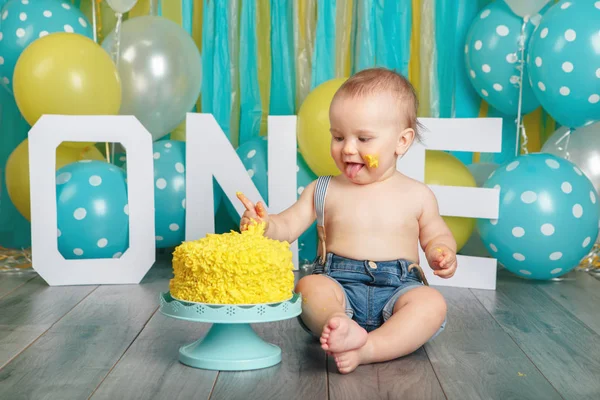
{"x":526,"y":7}
{"x":160,"y":70}
{"x":481,"y":172}
{"x":121,"y":6}
{"x":580,"y":146}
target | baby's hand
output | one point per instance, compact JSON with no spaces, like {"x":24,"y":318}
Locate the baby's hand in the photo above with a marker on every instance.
{"x":256,"y":213}
{"x":442,"y":260}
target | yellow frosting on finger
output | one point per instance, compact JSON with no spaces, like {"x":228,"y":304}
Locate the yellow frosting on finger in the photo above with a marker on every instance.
{"x":233,"y":268}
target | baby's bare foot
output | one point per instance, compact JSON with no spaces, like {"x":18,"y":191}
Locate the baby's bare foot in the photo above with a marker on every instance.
{"x":347,"y":362}
{"x":342,"y":334}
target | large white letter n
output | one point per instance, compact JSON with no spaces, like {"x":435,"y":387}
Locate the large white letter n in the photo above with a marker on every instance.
{"x":210,"y":154}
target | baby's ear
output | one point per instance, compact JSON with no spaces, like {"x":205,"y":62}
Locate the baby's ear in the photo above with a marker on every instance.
{"x":405,"y":140}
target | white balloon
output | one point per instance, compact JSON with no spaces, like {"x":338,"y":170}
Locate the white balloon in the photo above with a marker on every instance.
{"x":526,"y":7}
{"x":121,"y":6}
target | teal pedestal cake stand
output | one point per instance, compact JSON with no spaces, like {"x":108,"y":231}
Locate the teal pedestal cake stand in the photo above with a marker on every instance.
{"x":230,"y":344}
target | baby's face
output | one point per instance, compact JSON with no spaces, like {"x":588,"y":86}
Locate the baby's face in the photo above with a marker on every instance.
{"x":367,"y":136}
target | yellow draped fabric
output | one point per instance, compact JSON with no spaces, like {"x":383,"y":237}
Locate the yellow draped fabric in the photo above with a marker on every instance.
{"x":343,"y":39}
{"x":414,"y":73}
{"x":305,"y":24}
{"x":197,"y":36}
{"x":263,"y":28}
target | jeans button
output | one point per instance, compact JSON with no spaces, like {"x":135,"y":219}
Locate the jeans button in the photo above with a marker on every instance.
{"x":372,"y":265}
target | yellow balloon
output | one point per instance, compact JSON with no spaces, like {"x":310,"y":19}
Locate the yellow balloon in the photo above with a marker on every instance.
{"x":444,"y":169}
{"x":66,"y":73}
{"x":78,"y":145}
{"x":179,"y":132}
{"x":17,"y":171}
{"x":314,"y":138}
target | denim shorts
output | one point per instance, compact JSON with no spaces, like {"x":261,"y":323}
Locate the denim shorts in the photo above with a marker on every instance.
{"x":370,"y":293}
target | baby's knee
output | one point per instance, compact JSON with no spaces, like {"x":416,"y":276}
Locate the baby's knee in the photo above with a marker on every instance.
{"x":305,"y":283}
{"x":437,"y":304}
{"x":314,"y":283}
{"x":430,"y":301}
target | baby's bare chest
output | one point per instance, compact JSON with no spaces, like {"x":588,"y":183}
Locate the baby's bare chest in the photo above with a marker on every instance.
{"x":384,"y":209}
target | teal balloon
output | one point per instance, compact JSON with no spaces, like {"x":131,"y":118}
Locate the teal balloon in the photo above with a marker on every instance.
{"x":92,"y":210}
{"x":548,"y":217}
{"x":120,"y":159}
{"x":564,"y":62}
{"x":474,"y":246}
{"x":22,"y":22}
{"x":169,"y":192}
{"x":253,"y":154}
{"x":492,"y":55}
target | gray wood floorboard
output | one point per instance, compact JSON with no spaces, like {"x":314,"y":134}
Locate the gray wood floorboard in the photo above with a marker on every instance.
{"x":30,"y":310}
{"x":580,"y":296}
{"x":150,"y":368}
{"x":524,"y":340}
{"x":475,"y":359}
{"x":300,"y":375}
{"x":564,"y":349}
{"x":410,"y":377}
{"x":77,"y":352}
{"x":10,"y":282}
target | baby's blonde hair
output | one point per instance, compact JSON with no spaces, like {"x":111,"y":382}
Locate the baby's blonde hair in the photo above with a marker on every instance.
{"x":376,"y":80}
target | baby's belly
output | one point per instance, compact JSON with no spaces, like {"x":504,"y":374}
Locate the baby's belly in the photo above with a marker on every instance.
{"x":374,"y":247}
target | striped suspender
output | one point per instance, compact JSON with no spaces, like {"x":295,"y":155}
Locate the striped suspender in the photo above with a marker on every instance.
{"x":320,"y":194}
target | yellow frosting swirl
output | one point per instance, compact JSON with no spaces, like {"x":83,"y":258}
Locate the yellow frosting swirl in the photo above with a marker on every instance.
{"x":233,"y":268}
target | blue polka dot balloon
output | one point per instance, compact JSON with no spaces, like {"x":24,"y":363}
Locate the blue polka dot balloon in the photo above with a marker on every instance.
{"x":548,"y":218}
{"x":169,"y":192}
{"x":93,"y":214}
{"x":564,"y":62}
{"x":23,"y":21}
{"x":492,"y":55}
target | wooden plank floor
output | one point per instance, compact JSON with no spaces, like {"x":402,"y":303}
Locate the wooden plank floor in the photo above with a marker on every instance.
{"x":526,"y":340}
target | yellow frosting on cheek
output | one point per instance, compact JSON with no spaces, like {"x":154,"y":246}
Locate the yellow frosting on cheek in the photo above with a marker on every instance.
{"x":233,"y":268}
{"x":372,"y":160}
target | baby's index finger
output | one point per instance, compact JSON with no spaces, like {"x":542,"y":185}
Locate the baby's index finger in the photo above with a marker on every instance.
{"x":247,"y":203}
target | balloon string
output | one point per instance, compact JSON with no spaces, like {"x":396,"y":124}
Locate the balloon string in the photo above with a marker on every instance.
{"x":94,"y":21}
{"x":567,"y":155}
{"x":520,"y":126}
{"x":97,"y":26}
{"x":99,"y":15}
{"x":116,"y":57}
{"x":107,"y":152}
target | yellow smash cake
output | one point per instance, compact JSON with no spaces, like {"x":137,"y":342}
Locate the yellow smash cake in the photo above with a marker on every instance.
{"x":233,"y":268}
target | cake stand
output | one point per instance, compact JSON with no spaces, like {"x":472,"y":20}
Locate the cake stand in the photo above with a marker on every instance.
{"x":230,"y":344}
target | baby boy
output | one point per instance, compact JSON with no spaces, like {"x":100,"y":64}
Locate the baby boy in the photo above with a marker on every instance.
{"x":366,"y":298}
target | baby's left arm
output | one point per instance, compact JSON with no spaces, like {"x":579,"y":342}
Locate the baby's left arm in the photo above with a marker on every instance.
{"x":436,"y":238}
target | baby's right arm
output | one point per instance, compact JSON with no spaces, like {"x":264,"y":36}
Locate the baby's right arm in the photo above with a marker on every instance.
{"x":289,"y":224}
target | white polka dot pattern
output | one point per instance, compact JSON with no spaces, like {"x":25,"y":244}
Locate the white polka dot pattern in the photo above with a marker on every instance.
{"x":90,"y":198}
{"x":548,"y":216}
{"x":169,"y":196}
{"x":79,"y":214}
